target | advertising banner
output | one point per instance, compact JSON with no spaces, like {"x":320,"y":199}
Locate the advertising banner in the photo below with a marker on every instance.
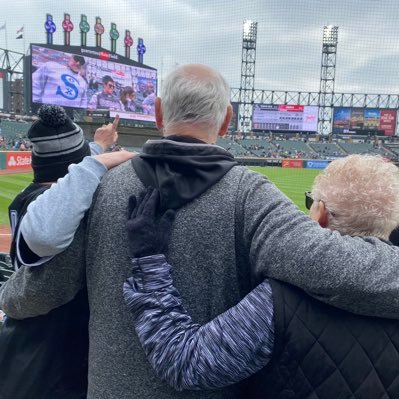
{"x":371,"y":118}
{"x":315,"y":164}
{"x":342,"y":119}
{"x":292,"y":163}
{"x":364,"y":121}
{"x":18,"y":159}
{"x":388,"y":121}
{"x":357,"y":118}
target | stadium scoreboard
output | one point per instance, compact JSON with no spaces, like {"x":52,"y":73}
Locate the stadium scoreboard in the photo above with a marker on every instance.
{"x":89,"y":80}
{"x":289,"y":118}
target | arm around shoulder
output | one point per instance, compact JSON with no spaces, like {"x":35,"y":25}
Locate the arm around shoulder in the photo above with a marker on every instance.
{"x":352,"y":273}
{"x":35,"y":291}
{"x":226,"y":350}
{"x":50,"y":222}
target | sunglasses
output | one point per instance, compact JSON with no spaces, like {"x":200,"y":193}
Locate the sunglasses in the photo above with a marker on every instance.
{"x":111,"y":85}
{"x":308,"y":199}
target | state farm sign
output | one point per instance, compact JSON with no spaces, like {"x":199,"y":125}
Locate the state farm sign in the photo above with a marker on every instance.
{"x":18,"y":160}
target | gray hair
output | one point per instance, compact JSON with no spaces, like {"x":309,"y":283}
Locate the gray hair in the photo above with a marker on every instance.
{"x":197,"y":95}
{"x":361,"y":194}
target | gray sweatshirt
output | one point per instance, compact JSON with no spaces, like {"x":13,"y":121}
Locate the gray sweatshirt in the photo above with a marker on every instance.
{"x":222,"y":243}
{"x":50,"y":222}
{"x":48,"y":229}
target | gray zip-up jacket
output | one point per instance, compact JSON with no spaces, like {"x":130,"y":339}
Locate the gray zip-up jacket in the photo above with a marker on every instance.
{"x":223,"y":242}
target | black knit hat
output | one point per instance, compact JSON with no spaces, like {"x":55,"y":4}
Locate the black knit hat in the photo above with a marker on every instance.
{"x":57,"y":142}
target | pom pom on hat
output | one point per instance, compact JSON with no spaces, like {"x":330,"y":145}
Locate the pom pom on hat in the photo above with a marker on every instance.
{"x":52,"y":115}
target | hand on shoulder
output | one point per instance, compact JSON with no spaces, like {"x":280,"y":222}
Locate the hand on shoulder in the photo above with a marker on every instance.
{"x":112,"y":159}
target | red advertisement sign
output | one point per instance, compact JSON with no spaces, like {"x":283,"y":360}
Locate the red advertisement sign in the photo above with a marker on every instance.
{"x":18,"y":160}
{"x":388,"y":121}
{"x":292,"y":163}
{"x":290,"y":108}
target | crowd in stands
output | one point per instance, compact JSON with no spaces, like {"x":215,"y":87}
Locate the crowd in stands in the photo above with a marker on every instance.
{"x":13,"y":134}
{"x":15,"y":143}
{"x":303,"y":147}
{"x":299,"y":146}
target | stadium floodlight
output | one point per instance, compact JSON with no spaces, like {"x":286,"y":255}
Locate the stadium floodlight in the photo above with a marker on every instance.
{"x":249,"y":30}
{"x":330,"y":35}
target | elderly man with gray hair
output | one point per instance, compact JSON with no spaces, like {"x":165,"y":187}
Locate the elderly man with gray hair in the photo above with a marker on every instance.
{"x":233,"y":228}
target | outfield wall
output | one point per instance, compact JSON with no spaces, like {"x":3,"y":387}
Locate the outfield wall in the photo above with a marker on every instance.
{"x":15,"y":160}
{"x":304,"y":163}
{"x":285,"y":163}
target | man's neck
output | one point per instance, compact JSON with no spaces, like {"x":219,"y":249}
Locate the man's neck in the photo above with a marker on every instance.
{"x":184,"y":139}
{"x":73,"y":71}
{"x":191,"y":131}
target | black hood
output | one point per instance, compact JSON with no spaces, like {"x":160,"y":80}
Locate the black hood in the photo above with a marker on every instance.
{"x":181,"y":168}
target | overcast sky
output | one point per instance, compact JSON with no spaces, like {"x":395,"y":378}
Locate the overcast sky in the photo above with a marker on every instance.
{"x":210,"y":31}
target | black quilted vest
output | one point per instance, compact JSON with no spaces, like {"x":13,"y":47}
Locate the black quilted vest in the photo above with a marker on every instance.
{"x":322,"y":352}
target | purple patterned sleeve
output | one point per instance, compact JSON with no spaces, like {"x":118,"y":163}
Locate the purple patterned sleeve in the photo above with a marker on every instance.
{"x":229,"y":348}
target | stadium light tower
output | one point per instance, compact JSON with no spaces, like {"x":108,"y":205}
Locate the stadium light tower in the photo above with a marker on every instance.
{"x":247,"y":86}
{"x":327,"y":77}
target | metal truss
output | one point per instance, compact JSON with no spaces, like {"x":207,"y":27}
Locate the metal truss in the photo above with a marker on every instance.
{"x":12,"y":66}
{"x":12,"y":63}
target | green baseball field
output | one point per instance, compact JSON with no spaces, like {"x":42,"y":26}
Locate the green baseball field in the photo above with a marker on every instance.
{"x":10,"y":186}
{"x":293,"y":182}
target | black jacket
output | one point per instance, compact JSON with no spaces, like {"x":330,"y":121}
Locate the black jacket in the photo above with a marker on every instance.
{"x":44,"y":357}
{"x":321,"y":352}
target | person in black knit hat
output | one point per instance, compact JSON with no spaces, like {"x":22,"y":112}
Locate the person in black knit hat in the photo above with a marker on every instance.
{"x":57,"y":142}
{"x":55,"y":344}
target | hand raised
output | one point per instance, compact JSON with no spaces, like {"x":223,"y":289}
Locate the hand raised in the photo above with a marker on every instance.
{"x":107,"y":135}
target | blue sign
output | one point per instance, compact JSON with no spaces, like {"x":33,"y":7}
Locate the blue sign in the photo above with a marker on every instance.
{"x":49,"y":25}
{"x":315,"y":164}
{"x":141,"y":47}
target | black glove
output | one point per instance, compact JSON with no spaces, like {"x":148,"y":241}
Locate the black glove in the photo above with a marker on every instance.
{"x":147,"y":235}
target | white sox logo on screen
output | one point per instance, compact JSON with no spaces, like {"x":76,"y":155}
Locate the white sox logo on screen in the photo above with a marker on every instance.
{"x":69,"y":91}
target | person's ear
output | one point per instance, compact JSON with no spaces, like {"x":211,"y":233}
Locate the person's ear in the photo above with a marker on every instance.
{"x":158,"y":113}
{"x":225,"y":125}
{"x":322,"y":214}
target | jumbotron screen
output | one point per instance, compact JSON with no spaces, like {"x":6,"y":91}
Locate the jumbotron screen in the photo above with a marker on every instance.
{"x":364,"y":120}
{"x":93,"y":79}
{"x":290,"y":118}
